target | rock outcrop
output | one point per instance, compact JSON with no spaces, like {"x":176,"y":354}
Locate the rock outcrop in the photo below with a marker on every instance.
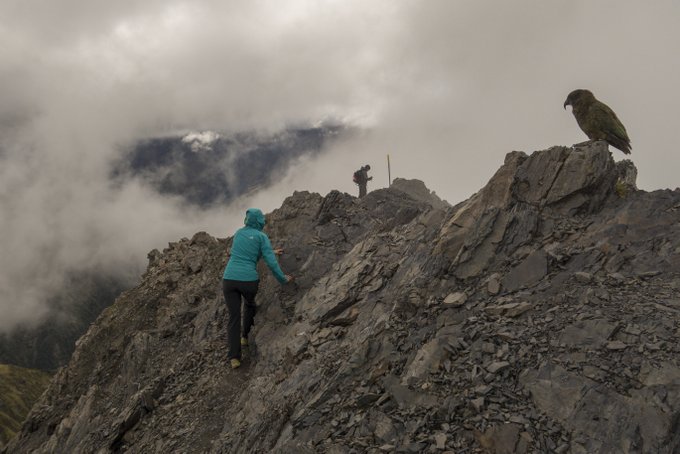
{"x":540,"y":315}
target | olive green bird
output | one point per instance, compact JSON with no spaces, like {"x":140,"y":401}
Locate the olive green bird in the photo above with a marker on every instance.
{"x":597,"y":120}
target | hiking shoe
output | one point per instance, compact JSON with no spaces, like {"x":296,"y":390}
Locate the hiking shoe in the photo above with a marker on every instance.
{"x":244,"y":342}
{"x":235,"y":363}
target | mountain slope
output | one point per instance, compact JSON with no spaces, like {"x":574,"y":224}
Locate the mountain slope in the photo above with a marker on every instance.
{"x":540,"y":315}
{"x":50,"y":344}
{"x":19,"y":389}
{"x":205,"y":169}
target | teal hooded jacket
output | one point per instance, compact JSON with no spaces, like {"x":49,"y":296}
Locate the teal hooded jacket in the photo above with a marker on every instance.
{"x":249,"y":245}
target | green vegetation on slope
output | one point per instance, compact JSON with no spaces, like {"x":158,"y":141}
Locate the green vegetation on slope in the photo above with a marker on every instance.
{"x":19,"y":389}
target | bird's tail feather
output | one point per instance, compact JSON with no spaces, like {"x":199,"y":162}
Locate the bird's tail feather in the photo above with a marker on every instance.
{"x":619,"y":143}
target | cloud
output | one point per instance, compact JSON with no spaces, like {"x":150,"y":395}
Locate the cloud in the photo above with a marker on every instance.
{"x":446,"y":88}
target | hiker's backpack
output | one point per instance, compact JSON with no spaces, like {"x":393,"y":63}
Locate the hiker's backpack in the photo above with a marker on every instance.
{"x":357,"y":176}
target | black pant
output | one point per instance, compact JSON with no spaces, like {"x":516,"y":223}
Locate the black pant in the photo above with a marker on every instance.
{"x":362,"y":189}
{"x":233,"y":290}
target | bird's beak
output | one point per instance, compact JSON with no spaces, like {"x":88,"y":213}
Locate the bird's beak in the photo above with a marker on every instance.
{"x":566,"y":103}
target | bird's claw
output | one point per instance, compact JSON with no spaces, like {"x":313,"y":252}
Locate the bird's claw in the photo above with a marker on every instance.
{"x":583,"y":144}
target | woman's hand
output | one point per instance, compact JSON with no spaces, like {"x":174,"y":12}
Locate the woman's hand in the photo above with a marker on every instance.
{"x":278,"y":251}
{"x":289,"y":278}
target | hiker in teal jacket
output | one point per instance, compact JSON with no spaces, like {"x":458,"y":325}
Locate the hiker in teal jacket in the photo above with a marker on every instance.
{"x":241,"y":279}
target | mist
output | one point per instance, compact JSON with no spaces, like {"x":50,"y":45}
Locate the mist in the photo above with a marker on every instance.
{"x":445,"y":88}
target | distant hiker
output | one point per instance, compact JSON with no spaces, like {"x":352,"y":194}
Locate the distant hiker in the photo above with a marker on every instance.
{"x":361,"y":178}
{"x":241,"y":279}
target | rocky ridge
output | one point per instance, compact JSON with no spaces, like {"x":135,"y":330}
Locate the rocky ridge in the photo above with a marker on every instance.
{"x":540,"y":315}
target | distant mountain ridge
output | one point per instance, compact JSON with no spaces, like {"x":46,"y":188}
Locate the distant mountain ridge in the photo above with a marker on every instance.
{"x":210,"y":168}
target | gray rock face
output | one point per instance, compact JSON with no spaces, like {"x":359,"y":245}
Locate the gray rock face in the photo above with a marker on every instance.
{"x":417,"y":190}
{"x":540,"y":315}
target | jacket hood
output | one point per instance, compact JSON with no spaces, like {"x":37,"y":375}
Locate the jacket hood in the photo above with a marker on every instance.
{"x":254,"y":218}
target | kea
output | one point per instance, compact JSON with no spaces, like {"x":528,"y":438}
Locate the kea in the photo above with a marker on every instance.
{"x":597,"y":120}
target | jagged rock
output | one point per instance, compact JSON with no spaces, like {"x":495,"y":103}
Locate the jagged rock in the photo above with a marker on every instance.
{"x":528,"y":273}
{"x":456,"y":299}
{"x":628,"y":424}
{"x":494,"y":284}
{"x":540,"y":315}
{"x":440,"y":440}
{"x":567,"y":179}
{"x":587,"y":333}
{"x":497,"y":366}
{"x":583,"y":277}
{"x":500,"y":439}
{"x":154,"y":256}
{"x":430,"y":358}
{"x":407,"y":398}
{"x":385,"y":429}
{"x":616,"y":345}
{"x":508,"y":310}
{"x":627,"y":178}
{"x":418,"y":190}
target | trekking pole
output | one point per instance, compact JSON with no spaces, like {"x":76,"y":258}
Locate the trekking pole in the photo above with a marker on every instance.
{"x":389,"y":173}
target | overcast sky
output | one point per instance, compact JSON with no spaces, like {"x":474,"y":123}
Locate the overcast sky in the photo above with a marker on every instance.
{"x":446,"y":87}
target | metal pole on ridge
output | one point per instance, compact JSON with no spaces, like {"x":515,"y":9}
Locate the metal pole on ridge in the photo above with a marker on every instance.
{"x":389,"y":173}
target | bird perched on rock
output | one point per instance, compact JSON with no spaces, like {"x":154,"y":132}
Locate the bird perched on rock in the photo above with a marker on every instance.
{"x":597,"y":120}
